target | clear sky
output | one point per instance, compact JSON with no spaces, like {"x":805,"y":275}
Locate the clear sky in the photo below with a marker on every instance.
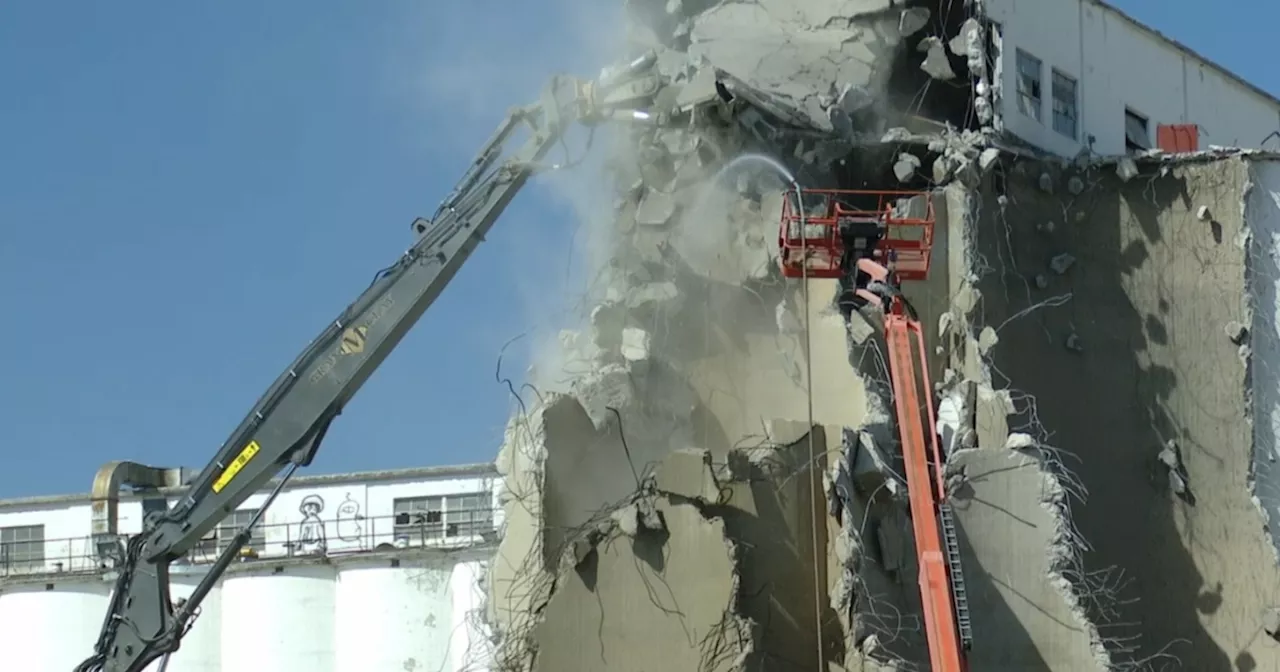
{"x":189,"y":192}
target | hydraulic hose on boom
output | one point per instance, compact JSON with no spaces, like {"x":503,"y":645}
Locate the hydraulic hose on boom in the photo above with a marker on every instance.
{"x":879,"y":239}
{"x":285,"y":427}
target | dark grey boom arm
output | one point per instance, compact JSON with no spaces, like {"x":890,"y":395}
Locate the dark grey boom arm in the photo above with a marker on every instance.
{"x":286,"y":426}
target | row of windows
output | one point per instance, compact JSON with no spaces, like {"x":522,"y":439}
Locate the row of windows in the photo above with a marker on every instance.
{"x":1063,"y":89}
{"x":417,"y":520}
{"x":1064,"y":92}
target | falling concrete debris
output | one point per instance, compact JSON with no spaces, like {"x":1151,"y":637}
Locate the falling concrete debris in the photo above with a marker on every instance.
{"x":906,"y":166}
{"x":936,"y":62}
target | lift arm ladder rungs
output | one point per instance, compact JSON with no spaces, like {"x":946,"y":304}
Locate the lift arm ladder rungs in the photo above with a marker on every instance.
{"x":914,"y":407}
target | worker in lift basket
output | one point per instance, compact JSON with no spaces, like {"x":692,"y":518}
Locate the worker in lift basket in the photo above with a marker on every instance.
{"x":875,"y":285}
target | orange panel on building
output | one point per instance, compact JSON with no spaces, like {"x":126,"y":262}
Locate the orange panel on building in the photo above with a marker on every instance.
{"x":1178,"y":138}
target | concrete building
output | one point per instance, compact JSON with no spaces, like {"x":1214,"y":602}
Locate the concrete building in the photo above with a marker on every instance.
{"x":1100,"y":328}
{"x":358,"y":572}
{"x":1082,"y":74}
{"x":716,"y":483}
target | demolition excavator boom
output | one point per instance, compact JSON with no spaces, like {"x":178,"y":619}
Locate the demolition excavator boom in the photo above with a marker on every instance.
{"x":283,"y":430}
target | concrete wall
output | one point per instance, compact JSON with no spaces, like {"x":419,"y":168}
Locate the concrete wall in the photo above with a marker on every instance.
{"x":1117,"y":357}
{"x":1119,"y":64}
{"x":1262,"y":212}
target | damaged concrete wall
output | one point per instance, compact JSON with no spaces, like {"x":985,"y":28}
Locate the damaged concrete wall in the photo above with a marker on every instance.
{"x":695,"y":342}
{"x":1259,"y":337}
{"x":1107,"y":303}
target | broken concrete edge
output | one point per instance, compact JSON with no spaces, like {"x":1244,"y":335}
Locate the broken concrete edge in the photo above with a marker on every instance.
{"x":1249,"y":316}
{"x":1064,"y":554}
{"x":521,"y":474}
{"x":686,"y":478}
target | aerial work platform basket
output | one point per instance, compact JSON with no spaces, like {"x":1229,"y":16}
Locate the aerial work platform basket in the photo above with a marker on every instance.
{"x":892,"y":228}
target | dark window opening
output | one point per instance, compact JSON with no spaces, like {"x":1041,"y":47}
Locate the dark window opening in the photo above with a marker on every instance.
{"x":1137,"y":137}
{"x":1030,"y":84}
{"x":1065,"y":111}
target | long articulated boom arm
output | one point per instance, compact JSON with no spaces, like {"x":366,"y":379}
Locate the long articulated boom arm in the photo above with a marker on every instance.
{"x":286,"y":426}
{"x":942,"y":592}
{"x":914,"y":408}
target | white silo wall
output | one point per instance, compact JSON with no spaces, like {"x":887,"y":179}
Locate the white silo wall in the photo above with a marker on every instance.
{"x":50,"y":630}
{"x":469,"y":646}
{"x":393,"y":618}
{"x":201,"y":649}
{"x":283,"y":622}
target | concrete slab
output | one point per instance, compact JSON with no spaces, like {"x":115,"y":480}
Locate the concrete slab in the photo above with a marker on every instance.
{"x":625,"y":590}
{"x":1022,"y":620}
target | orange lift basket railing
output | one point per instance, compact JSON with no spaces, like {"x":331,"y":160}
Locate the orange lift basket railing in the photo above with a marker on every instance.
{"x":837,"y":221}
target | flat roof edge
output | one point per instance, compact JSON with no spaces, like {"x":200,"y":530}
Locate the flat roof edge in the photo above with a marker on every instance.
{"x":482,"y":469}
{"x":1189,"y":51}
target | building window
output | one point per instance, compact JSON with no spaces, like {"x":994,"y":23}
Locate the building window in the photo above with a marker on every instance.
{"x":22,"y":547}
{"x":418,"y":519}
{"x":220,"y":537}
{"x":1064,"y":105}
{"x":421,"y":519}
{"x":1029,"y":80}
{"x":205,"y":550}
{"x":469,"y":515}
{"x":1136,"y":135}
{"x":233,"y":523}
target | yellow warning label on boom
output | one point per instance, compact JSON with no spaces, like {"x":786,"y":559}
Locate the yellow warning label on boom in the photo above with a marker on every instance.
{"x":236,"y":465}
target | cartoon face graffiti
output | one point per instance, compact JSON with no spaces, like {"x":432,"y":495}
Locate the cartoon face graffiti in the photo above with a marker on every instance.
{"x":350,"y":521}
{"x":311,"y":537}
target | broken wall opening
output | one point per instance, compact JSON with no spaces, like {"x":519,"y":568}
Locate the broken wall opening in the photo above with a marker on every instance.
{"x":941,"y":90}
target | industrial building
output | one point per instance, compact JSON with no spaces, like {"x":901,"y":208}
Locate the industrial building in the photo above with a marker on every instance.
{"x":1082,"y":74}
{"x":719,"y":483}
{"x":363,"y":571}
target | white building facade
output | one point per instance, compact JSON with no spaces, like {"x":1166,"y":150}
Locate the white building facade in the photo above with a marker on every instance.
{"x":1076,"y":74}
{"x":350,"y":573}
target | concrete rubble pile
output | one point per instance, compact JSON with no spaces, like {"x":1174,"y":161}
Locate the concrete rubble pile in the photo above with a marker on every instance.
{"x":695,"y":498}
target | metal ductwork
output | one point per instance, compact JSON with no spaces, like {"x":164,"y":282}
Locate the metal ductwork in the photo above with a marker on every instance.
{"x":105,"y":499}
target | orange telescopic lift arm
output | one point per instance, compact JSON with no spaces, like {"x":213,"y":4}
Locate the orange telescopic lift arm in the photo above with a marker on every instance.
{"x":835,"y":233}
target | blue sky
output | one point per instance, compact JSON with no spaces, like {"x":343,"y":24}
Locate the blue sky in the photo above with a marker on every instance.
{"x":189,"y":192}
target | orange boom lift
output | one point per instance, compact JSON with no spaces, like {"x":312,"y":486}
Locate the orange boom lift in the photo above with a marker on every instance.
{"x":880,"y":239}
